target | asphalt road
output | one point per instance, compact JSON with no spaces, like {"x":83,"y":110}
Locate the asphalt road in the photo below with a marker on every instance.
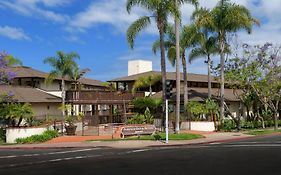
{"x":252,"y":156}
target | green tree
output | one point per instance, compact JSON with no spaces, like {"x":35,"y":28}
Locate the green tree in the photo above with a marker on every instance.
{"x":186,"y":41}
{"x":160,"y":11}
{"x":18,"y":111}
{"x":206,"y":46}
{"x":147,"y":81}
{"x":257,"y":73}
{"x":226,"y":17}
{"x":76,"y":75}
{"x":186,"y":38}
{"x":63,"y":65}
{"x":12,"y":61}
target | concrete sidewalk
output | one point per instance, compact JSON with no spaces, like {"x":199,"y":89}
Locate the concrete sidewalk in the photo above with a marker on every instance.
{"x":81,"y":143}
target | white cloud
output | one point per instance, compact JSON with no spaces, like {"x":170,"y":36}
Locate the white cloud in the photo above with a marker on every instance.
{"x":32,"y":8}
{"x":110,"y":12}
{"x":13,"y":33}
{"x":54,"y":3}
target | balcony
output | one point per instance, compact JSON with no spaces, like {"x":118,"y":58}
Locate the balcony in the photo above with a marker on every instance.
{"x":100,"y":97}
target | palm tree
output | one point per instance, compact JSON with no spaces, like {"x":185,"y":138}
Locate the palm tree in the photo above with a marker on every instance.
{"x":206,"y":47}
{"x":62,"y":64}
{"x":187,"y":39}
{"x":224,"y":18}
{"x":177,"y":31}
{"x":77,"y":74}
{"x":12,"y":61}
{"x":147,"y":81}
{"x":160,"y":11}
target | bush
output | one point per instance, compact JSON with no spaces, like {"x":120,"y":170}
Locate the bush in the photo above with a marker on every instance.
{"x":142,"y":103}
{"x":147,"y":118}
{"x":157,"y":137}
{"x":137,"y":119}
{"x":2,"y":135}
{"x":47,"y":135}
{"x":228,"y":125}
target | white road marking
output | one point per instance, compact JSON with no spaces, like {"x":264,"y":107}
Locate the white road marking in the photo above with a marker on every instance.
{"x":49,"y":161}
{"x":51,"y":153}
{"x":215,"y":143}
{"x":254,"y":145}
{"x":137,"y":151}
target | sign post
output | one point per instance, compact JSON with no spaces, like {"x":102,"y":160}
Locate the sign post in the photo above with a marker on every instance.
{"x":167,"y":121}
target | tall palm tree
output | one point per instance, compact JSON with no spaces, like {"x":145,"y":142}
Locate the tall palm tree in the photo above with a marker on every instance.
{"x":177,"y":31}
{"x":224,"y":18}
{"x":187,"y":39}
{"x":160,"y":11}
{"x":147,"y":81}
{"x":206,"y":46}
{"x":62,"y":64}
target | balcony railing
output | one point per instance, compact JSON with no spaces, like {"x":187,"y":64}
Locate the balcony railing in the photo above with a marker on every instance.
{"x":100,"y":97}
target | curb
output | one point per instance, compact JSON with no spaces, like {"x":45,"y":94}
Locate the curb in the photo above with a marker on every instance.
{"x":149,"y":146}
{"x":58,"y":147}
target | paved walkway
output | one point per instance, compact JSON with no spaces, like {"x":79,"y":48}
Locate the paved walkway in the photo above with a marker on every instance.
{"x":81,"y":141}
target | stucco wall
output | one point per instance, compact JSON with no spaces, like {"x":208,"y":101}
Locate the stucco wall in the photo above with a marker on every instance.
{"x":45,"y":109}
{"x":13,"y":133}
{"x":198,"y":126}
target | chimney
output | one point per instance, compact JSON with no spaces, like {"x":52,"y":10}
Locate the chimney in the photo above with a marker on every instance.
{"x":139,"y":66}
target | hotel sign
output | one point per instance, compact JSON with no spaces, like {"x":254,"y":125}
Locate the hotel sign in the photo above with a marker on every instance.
{"x":130,"y":130}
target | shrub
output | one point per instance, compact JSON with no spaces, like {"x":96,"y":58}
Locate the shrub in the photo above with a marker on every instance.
{"x":157,"y":137}
{"x":137,"y":119}
{"x":47,"y":135}
{"x":147,"y":118}
{"x":141,"y":103}
{"x":2,"y":135}
{"x":227,"y":125}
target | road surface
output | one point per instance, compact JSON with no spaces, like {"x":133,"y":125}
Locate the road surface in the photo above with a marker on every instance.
{"x":250,"y":157}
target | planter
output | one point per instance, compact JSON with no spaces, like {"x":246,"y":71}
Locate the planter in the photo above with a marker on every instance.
{"x":70,"y":130}
{"x":13,"y":133}
{"x":199,"y":126}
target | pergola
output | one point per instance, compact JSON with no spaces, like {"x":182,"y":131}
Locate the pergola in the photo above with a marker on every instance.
{"x":121,"y":100}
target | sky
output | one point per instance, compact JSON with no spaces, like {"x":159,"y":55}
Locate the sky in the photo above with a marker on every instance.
{"x":32,"y":30}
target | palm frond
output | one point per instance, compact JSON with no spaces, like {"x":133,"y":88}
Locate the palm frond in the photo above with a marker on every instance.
{"x":135,"y":28}
{"x":171,"y":54}
{"x":51,"y":77}
{"x":12,"y":61}
{"x":196,"y":53}
{"x":147,"y":4}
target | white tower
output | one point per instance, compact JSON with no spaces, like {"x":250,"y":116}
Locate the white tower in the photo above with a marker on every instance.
{"x":139,"y":66}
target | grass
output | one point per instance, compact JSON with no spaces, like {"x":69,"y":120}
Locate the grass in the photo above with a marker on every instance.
{"x":159,"y":136}
{"x":263,"y":132}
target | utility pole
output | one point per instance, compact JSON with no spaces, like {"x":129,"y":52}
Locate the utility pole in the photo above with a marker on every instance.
{"x":177,"y":129}
{"x":167,"y":122}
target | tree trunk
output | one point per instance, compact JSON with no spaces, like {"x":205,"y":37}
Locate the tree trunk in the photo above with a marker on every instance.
{"x":150,"y":90}
{"x":184,"y":67}
{"x":63,"y":95}
{"x":209,"y":78}
{"x":222,"y":59}
{"x":276,"y":115}
{"x":276,"y":120}
{"x":248,"y":113}
{"x":20,"y":120}
{"x":163,"y":66}
{"x":177,"y":129}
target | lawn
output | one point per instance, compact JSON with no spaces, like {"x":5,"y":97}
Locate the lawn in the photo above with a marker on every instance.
{"x":159,"y":136}
{"x":263,"y":132}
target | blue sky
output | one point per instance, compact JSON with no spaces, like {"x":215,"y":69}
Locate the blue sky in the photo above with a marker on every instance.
{"x":35,"y":29}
